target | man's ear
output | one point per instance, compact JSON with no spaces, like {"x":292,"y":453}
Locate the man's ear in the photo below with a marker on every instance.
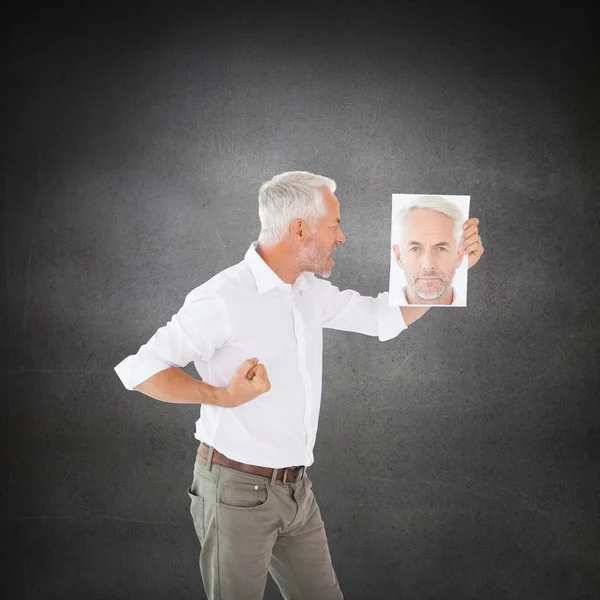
{"x":300,"y":230}
{"x":398,"y":255}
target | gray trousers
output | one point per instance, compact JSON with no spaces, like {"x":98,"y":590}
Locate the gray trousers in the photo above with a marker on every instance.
{"x":249,"y":525}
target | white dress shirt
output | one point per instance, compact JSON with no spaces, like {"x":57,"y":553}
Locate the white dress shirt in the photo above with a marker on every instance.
{"x":245,"y":311}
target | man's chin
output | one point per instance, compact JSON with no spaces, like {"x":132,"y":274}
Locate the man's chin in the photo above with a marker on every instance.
{"x":428,"y":297}
{"x":324,"y":271}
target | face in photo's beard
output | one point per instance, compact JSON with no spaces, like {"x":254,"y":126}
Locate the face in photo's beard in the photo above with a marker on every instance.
{"x":429,"y":289}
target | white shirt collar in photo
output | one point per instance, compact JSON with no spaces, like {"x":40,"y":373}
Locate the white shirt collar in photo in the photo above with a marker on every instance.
{"x":458,"y":299}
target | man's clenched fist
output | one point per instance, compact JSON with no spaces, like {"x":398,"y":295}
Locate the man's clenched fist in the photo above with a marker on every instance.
{"x":249,"y":381}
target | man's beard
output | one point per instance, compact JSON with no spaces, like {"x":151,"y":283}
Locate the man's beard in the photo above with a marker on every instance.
{"x":315,"y":258}
{"x":426,"y":293}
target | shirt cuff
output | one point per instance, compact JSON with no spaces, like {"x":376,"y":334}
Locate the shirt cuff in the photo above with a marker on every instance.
{"x":135,"y":369}
{"x":389,"y":319}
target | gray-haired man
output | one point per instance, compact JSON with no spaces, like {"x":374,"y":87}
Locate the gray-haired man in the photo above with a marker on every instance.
{"x":251,"y":499}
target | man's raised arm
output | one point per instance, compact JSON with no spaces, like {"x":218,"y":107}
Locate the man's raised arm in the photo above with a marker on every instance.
{"x":411,"y":313}
{"x":349,"y":311}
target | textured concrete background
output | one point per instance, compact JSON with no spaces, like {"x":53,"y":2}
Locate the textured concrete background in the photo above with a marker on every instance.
{"x":457,"y":461}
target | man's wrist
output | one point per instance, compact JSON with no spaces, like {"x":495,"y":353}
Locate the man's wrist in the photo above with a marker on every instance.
{"x":220,"y":393}
{"x":211,"y":394}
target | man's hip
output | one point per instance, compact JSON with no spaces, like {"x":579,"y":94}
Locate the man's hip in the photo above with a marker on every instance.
{"x":208,"y":455}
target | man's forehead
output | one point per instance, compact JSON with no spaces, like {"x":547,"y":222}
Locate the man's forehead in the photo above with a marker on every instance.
{"x":432,"y":218}
{"x":428,"y":227}
{"x":428,"y":220}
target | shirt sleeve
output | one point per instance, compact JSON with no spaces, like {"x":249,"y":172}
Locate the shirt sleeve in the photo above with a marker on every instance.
{"x":194,"y":333}
{"x":349,"y":311}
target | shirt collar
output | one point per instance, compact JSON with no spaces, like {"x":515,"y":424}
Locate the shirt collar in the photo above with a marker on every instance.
{"x":266,"y":279}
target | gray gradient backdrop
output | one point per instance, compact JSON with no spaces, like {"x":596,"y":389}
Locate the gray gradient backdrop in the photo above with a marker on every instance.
{"x":457,"y":461}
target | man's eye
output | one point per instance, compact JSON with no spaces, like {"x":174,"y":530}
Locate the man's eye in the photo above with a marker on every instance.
{"x":442,"y":248}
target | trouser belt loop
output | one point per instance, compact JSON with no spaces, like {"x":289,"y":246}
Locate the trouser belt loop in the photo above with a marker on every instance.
{"x":274,"y":476}
{"x":209,"y":459}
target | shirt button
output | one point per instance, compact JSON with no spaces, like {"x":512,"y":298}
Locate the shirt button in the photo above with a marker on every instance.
{"x":255,"y":487}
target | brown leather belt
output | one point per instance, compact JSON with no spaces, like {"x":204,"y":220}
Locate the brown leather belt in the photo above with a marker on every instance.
{"x":284,"y":474}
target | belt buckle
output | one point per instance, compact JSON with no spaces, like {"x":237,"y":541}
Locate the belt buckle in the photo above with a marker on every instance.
{"x":300,"y":474}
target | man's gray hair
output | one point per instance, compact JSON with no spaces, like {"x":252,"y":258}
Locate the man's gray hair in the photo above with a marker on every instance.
{"x":288,"y":196}
{"x":433,"y":203}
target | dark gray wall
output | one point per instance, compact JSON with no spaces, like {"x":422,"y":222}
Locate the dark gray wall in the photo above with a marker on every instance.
{"x":458,"y":461}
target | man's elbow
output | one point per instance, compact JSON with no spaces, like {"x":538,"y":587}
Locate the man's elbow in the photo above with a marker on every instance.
{"x":145,"y":385}
{"x":156,"y":383}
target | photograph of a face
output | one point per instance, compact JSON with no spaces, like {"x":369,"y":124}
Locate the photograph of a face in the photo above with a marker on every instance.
{"x":427,"y":266}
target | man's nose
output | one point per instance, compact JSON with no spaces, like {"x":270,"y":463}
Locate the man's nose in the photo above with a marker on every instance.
{"x":341,"y":238}
{"x":428,"y":259}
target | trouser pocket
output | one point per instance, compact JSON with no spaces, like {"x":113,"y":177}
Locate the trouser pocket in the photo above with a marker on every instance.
{"x":233,"y":494}
{"x":197,"y":492}
{"x":197,"y":512}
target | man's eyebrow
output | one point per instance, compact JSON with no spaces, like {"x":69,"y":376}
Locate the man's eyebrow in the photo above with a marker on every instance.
{"x":415,"y":243}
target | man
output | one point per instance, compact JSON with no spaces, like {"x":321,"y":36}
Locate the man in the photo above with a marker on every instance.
{"x":428,"y":251}
{"x":251,"y":499}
